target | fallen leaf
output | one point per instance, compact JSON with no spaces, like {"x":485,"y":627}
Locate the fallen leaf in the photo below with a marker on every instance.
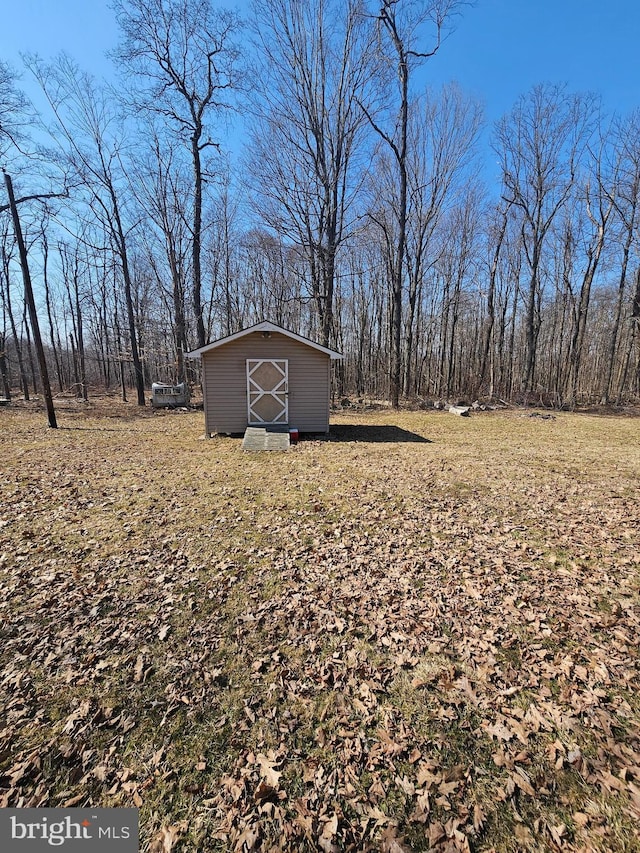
{"x":268,"y":771}
{"x":165,"y":840}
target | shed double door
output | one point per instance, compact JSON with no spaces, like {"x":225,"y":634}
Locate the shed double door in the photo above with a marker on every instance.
{"x":267,"y":391}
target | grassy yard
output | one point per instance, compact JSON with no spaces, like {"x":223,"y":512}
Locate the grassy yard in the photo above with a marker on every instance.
{"x":422,"y":634}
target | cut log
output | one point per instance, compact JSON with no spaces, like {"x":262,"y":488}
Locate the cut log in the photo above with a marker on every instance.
{"x":462,"y":411}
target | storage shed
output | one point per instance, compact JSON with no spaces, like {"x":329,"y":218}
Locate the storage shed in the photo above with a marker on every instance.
{"x":265,"y":376}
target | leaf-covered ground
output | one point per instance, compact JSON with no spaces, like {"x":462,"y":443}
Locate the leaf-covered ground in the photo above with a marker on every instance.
{"x":421,"y":634}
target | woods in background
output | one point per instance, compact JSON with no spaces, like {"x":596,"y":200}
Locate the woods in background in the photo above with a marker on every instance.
{"x":357,"y":212}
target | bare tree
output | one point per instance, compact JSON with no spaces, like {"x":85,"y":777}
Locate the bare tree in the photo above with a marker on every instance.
{"x":6,"y":253}
{"x":224,"y":248}
{"x":71,"y":267}
{"x":185,"y":51}
{"x":315,"y":69}
{"x":598,"y":207}
{"x":14,"y":112}
{"x":454,"y":268}
{"x":14,"y":116}
{"x":625,"y":196}
{"x":443,"y":132}
{"x":160,"y":186}
{"x":497,"y":233}
{"x":401,"y":27}
{"x":90,"y":145}
{"x":540,"y":145}
{"x":30,"y":302}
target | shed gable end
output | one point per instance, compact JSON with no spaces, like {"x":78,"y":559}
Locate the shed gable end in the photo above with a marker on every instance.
{"x":225,"y":382}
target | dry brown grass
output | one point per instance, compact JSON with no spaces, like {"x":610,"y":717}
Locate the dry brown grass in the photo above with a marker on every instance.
{"x":420,"y":634}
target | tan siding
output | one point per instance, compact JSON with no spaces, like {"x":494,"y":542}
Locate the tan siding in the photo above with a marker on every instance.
{"x":225,"y":382}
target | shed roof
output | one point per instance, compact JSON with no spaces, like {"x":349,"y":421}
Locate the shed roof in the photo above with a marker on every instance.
{"x":265,"y":326}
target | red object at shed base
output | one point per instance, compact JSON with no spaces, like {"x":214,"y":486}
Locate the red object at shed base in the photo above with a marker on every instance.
{"x":294,"y":435}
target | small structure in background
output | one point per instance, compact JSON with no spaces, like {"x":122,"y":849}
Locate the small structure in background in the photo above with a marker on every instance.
{"x":169,"y":396}
{"x":266,"y":377}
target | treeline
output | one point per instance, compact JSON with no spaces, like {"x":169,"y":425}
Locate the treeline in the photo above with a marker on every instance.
{"x":357,"y":213}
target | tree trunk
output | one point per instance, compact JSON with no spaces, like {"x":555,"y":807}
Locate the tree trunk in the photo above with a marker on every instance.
{"x":27,"y":334}
{"x":197,"y":237}
{"x":119,"y":353}
{"x":47,"y":296}
{"x":4,"y":372}
{"x":74,"y":361}
{"x":24,"y":383}
{"x":80,"y":340}
{"x":530,"y":328}
{"x":33,"y":316}
{"x":398,"y":266}
{"x":128,"y":297}
{"x":493,"y":272}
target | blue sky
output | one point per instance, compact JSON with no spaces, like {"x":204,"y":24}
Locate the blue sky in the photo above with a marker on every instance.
{"x":499,"y":50}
